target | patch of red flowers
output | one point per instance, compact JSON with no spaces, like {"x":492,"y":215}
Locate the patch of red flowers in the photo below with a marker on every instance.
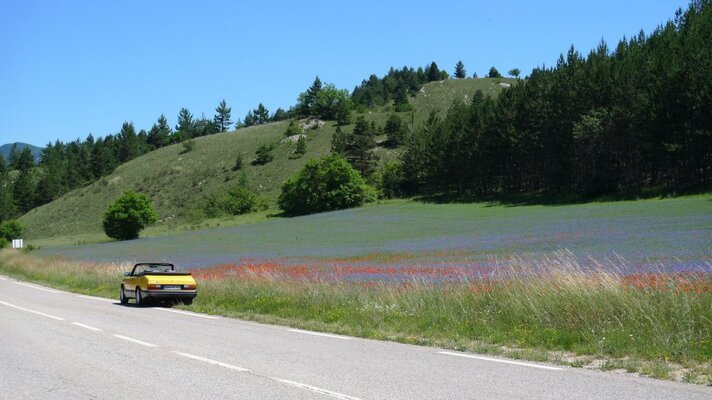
{"x":682,"y":282}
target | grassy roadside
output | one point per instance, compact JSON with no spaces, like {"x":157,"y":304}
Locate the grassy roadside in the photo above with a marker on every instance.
{"x":656,"y":325}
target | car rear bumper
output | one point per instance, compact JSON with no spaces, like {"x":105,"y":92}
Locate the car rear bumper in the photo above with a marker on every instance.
{"x":169,"y":295}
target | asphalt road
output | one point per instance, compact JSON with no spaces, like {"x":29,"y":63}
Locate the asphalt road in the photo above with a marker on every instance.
{"x":59,"y":345}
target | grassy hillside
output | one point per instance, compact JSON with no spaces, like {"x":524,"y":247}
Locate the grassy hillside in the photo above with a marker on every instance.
{"x":178,"y":181}
{"x":437,"y":96}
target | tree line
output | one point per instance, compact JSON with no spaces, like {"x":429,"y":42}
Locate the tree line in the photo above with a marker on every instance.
{"x":67,"y":166}
{"x":615,"y":120}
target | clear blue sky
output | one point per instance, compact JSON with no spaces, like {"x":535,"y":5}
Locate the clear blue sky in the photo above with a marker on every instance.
{"x":73,"y":67}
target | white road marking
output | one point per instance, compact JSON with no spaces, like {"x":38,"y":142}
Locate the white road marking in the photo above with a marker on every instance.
{"x":192,"y":314}
{"x":32,"y":311}
{"x":141,"y":342}
{"x":523,"y":364}
{"x":38,"y":287}
{"x":315,"y":389}
{"x":96,"y":298}
{"x":214,"y":362}
{"x":320,"y":334}
{"x":2,"y":278}
{"x":91,"y":328}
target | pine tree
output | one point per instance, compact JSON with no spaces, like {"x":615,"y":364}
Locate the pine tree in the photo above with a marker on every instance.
{"x":460,"y":70}
{"x":222,"y":118}
{"x":339,"y":141}
{"x":261,"y":114}
{"x":160,"y":133}
{"x":54,"y":169}
{"x":401,"y":94}
{"x":306,"y":104}
{"x":394,"y":130}
{"x":23,"y":188}
{"x":103,"y":160}
{"x":249,"y":119}
{"x":184,"y":128}
{"x":313,"y":94}
{"x":204,"y":126}
{"x":14,"y":156}
{"x":359,"y":148}
{"x":433,"y":72}
{"x":280,"y":115}
{"x":128,"y":141}
{"x":7,"y":204}
{"x":493,"y":73}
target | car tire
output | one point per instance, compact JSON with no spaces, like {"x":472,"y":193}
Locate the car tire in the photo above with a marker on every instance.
{"x":139,"y":297}
{"x":187,"y":302}
{"x":122,"y":296}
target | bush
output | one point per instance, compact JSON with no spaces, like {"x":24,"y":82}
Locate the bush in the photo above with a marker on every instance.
{"x":131,"y":213}
{"x":10,"y":230}
{"x":294,"y":128}
{"x":301,"y":146}
{"x":264,"y":155}
{"x":390,"y":180}
{"x":235,"y":201}
{"x":238,"y":163}
{"x":323,"y":185}
{"x":188,"y":145}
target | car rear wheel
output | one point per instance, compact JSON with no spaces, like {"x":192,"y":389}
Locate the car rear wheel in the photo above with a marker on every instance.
{"x":122,"y":296}
{"x":187,"y":302}
{"x":139,"y":297}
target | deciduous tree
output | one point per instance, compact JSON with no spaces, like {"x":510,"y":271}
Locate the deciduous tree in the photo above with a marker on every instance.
{"x":130,"y":214}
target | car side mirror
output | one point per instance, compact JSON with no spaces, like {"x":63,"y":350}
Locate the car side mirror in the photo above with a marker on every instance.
{"x":127,"y":274}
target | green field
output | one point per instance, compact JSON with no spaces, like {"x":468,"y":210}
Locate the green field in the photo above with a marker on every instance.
{"x":673,"y":234}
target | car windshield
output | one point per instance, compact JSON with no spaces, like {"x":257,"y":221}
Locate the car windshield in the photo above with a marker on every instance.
{"x":147,"y":269}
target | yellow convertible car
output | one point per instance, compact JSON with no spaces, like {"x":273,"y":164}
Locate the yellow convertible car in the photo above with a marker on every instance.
{"x":159,"y":282}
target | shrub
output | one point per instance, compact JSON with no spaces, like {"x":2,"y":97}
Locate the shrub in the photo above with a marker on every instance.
{"x":238,"y":163}
{"x":10,"y":230}
{"x":301,"y":146}
{"x":294,"y":128}
{"x":131,"y":213}
{"x":188,"y":145}
{"x":264,"y":155}
{"x":322,"y":185}
{"x":234,"y":201}
{"x":390,"y":179}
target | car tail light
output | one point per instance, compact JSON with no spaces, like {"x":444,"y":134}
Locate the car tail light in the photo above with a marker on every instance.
{"x":153,"y":286}
{"x":189,"y":287}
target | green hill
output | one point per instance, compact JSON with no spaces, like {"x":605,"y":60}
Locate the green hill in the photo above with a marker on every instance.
{"x":178,"y":181}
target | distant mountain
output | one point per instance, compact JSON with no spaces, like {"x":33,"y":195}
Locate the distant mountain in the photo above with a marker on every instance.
{"x":36,"y":151}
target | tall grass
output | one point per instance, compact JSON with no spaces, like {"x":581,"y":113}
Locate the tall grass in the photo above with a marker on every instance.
{"x":546,"y":304}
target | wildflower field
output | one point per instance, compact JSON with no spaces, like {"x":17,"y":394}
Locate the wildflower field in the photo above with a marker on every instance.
{"x":623,"y":285}
{"x":670,"y":234}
